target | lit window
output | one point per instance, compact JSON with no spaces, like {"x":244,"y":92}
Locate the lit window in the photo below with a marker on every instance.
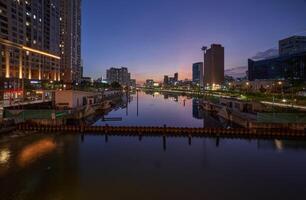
{"x":27,"y":23}
{"x":34,"y":16}
{"x":0,"y":11}
{"x":27,"y":53}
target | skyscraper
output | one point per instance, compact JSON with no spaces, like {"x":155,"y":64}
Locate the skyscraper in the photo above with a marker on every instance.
{"x":29,"y":44}
{"x":70,"y":24}
{"x":197,"y":73}
{"x":214,"y":65}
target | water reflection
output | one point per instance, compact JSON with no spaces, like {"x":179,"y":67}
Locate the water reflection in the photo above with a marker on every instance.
{"x":4,"y":156}
{"x":87,"y":167}
{"x":33,"y":151}
{"x":156,"y":109}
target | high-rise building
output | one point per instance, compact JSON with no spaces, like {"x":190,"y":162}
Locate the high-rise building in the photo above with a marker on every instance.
{"x":214,"y":65}
{"x":197,"y":73}
{"x":176,"y":77}
{"x":166,"y":80}
{"x":119,"y":75}
{"x":70,"y":21}
{"x":292,"y":45}
{"x":29,"y":44}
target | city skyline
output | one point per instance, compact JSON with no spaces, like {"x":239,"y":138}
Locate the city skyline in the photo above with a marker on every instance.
{"x":157,"y":38}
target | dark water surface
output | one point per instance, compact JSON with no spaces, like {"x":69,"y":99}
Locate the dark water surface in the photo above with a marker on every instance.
{"x":69,"y":167}
{"x":96,"y":167}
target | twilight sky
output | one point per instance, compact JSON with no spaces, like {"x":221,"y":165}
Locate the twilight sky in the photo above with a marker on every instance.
{"x":157,"y":37}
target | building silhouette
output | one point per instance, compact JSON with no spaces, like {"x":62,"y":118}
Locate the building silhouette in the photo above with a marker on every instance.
{"x":119,"y":75}
{"x":197,"y":73}
{"x":214,"y":65}
{"x":292,"y":45}
{"x":289,"y":65}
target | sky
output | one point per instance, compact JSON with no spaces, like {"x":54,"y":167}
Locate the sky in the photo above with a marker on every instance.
{"x":154,"y":38}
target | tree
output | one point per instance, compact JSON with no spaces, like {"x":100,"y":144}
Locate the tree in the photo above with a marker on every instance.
{"x":115,"y":85}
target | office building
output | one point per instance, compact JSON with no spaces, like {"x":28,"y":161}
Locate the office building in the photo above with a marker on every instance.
{"x":29,"y":44}
{"x":166,"y":80}
{"x":292,"y":45}
{"x":119,"y":75}
{"x":197,"y":73}
{"x":176,"y":77}
{"x":289,"y":65}
{"x":214,"y":65}
{"x":70,"y":35}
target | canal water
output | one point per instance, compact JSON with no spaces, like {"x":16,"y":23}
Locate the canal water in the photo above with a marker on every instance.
{"x":72,"y":166}
{"x":156,"y":109}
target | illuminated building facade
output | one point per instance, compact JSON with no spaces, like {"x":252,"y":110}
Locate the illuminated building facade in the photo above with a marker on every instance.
{"x":29,"y":44}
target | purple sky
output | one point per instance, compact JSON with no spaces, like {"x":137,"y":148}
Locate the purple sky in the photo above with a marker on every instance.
{"x":157,"y":37}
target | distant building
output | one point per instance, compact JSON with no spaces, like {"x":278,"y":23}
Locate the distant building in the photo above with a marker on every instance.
{"x":290,"y":65}
{"x":292,"y":45}
{"x":149,"y":83}
{"x":214,"y":65}
{"x":133,"y":83}
{"x":197,"y":73}
{"x":166,"y":80}
{"x":87,"y":79}
{"x":119,"y":75}
{"x":176,"y":77}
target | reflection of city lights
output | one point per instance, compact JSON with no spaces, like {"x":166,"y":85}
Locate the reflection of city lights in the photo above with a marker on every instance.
{"x":279,"y":145}
{"x":34,"y":151}
{"x":4,"y":156}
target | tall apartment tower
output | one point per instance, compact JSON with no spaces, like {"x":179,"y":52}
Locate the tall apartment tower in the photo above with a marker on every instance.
{"x":70,"y":25}
{"x":214,"y":65}
{"x":197,"y":73}
{"x":29,"y":44}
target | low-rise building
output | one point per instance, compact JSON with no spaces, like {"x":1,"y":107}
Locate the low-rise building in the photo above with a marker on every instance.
{"x":71,"y":99}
